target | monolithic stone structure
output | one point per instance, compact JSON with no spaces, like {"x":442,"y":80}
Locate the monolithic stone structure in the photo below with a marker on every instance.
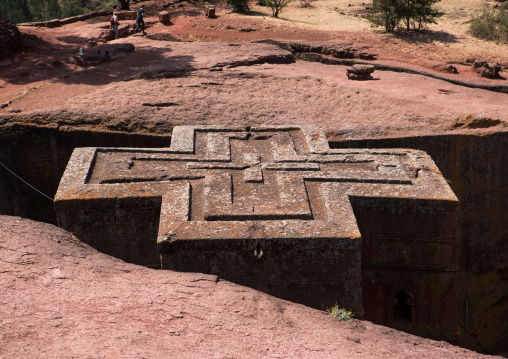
{"x":276,"y":209}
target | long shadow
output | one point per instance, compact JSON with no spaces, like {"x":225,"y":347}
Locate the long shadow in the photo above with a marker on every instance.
{"x":424,"y":36}
{"x":46,"y":61}
{"x":72,"y":39}
{"x":180,"y":12}
{"x":255,"y":13}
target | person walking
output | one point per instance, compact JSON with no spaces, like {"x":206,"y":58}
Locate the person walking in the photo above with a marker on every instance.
{"x":114,"y":25}
{"x":139,"y":20}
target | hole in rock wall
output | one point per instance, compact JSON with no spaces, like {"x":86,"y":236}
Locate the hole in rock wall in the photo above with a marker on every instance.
{"x":402,"y":311}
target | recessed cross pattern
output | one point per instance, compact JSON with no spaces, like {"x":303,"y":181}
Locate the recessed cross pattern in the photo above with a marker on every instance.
{"x":267,"y":207}
{"x":215,"y":182}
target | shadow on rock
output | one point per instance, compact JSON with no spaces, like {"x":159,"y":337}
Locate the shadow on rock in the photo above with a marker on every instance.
{"x":425,"y":37}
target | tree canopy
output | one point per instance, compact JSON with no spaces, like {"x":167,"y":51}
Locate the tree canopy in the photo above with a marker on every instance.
{"x":15,"y":11}
{"x":412,"y":13}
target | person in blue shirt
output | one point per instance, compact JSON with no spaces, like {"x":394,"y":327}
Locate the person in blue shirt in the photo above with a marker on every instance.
{"x":139,"y":20}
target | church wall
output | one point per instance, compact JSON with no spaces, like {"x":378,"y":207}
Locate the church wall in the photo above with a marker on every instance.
{"x":476,"y":167}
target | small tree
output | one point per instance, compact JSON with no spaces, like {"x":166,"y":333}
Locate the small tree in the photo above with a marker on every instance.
{"x":424,"y":13}
{"x":43,"y":10}
{"x":415,"y":13}
{"x":241,"y":6}
{"x":277,"y":6}
{"x":385,"y":13}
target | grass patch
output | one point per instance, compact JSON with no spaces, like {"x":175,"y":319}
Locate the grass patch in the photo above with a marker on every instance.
{"x":340,"y":313}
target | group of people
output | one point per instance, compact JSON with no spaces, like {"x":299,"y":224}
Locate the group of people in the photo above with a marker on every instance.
{"x":104,"y":57}
{"x":140,"y":22}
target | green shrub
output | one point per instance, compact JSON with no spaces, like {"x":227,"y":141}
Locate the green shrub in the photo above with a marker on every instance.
{"x":43,"y":10}
{"x":277,"y":6}
{"x":107,"y":4}
{"x":340,"y":313}
{"x":15,"y":11}
{"x":491,"y":24}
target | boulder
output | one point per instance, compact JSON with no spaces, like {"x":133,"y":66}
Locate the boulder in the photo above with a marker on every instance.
{"x":126,"y":15}
{"x":486,"y":69}
{"x":164,"y":16}
{"x":360,"y":72}
{"x":451,"y":69}
{"x":446,"y":68}
{"x":339,"y":53}
{"x":366,"y":56}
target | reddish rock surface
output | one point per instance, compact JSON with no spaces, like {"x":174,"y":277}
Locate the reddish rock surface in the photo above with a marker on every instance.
{"x":253,"y":86}
{"x":62,"y":299}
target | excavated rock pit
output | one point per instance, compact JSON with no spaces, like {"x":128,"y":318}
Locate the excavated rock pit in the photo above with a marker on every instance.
{"x":38,"y":152}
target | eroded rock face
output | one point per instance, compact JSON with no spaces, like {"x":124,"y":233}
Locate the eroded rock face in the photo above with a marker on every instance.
{"x":64,"y":299}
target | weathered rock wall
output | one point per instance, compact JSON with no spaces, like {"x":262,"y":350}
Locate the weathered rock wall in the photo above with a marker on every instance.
{"x":477,"y":168}
{"x":39,"y":155}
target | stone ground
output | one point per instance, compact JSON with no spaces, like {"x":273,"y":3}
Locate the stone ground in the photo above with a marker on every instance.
{"x":62,"y":299}
{"x":165,"y":83}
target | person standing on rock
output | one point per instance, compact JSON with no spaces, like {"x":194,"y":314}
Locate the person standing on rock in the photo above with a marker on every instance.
{"x":139,"y":20}
{"x":114,"y":25}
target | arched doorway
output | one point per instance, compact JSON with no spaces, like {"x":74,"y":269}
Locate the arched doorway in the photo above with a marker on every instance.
{"x":402,"y":312}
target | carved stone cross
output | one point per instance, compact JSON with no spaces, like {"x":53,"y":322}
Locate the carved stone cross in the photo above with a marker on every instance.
{"x":245,"y":192}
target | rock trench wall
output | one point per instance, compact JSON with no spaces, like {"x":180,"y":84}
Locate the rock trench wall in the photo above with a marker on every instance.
{"x":39,"y":155}
{"x":477,"y":168}
{"x":475,"y":165}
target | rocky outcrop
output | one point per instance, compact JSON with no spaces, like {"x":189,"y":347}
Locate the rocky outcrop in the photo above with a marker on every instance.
{"x":10,"y":37}
{"x":336,"y":50}
{"x":64,"y":299}
{"x":486,"y":69}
